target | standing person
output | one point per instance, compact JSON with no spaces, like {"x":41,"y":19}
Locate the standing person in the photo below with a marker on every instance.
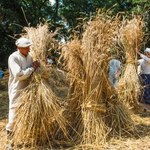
{"x":114,"y":71}
{"x":21,"y":66}
{"x":144,"y":74}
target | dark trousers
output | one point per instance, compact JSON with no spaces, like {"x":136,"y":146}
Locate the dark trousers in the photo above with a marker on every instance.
{"x":145,"y":82}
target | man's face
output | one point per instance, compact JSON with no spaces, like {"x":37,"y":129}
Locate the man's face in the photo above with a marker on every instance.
{"x":24,"y":50}
{"x":147,"y":54}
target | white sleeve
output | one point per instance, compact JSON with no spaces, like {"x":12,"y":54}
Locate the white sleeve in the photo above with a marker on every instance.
{"x":17,"y":71}
{"x":139,"y":69}
{"x":139,"y":61}
{"x":145,"y":58}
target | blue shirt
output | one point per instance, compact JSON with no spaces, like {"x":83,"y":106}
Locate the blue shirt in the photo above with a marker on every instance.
{"x":114,"y":71}
{"x":1,"y":74}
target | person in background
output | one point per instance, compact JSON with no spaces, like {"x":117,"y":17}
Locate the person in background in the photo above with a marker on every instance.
{"x":21,"y":66}
{"x":114,"y":71}
{"x":144,"y":75}
{"x":1,"y":73}
{"x":49,"y":61}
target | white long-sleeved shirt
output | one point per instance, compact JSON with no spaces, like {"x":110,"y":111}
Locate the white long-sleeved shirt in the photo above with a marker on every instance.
{"x":144,"y":65}
{"x":19,"y":72}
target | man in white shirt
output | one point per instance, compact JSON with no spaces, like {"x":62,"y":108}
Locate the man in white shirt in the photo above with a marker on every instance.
{"x":144,"y":73}
{"x":21,"y":66}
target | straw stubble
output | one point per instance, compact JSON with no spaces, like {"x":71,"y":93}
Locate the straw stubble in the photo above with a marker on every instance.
{"x":131,"y":36}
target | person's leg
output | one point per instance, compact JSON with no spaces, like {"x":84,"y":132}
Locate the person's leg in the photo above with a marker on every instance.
{"x":145,"y":91}
{"x":9,"y":130}
{"x":9,"y":126}
{"x":11,"y":117}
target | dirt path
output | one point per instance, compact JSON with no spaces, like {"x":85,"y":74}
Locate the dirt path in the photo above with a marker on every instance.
{"x":141,"y":141}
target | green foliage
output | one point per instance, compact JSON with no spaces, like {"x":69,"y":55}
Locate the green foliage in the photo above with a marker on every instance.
{"x":14,"y":15}
{"x":68,"y":15}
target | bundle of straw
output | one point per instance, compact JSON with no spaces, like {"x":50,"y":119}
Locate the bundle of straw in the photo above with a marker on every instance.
{"x":39,"y":115}
{"x":72,"y":54}
{"x":99,"y":103}
{"x":94,"y":108}
{"x":118,"y":117}
{"x":96,"y":43}
{"x":131,"y":36}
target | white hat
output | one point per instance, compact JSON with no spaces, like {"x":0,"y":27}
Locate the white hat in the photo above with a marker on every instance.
{"x":23,"y":42}
{"x":147,"y":50}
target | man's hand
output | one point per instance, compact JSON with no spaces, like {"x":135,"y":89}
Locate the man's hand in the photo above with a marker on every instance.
{"x":35,"y":64}
{"x":137,"y":51}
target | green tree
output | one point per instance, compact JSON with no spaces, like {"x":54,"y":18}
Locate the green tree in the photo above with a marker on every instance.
{"x":68,"y":15}
{"x":14,"y":15}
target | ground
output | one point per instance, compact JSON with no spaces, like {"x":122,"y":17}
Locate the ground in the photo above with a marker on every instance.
{"x":139,"y":141}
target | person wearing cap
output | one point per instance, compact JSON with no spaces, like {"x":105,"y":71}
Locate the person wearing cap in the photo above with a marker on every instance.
{"x":144,"y":75}
{"x":21,"y":66}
